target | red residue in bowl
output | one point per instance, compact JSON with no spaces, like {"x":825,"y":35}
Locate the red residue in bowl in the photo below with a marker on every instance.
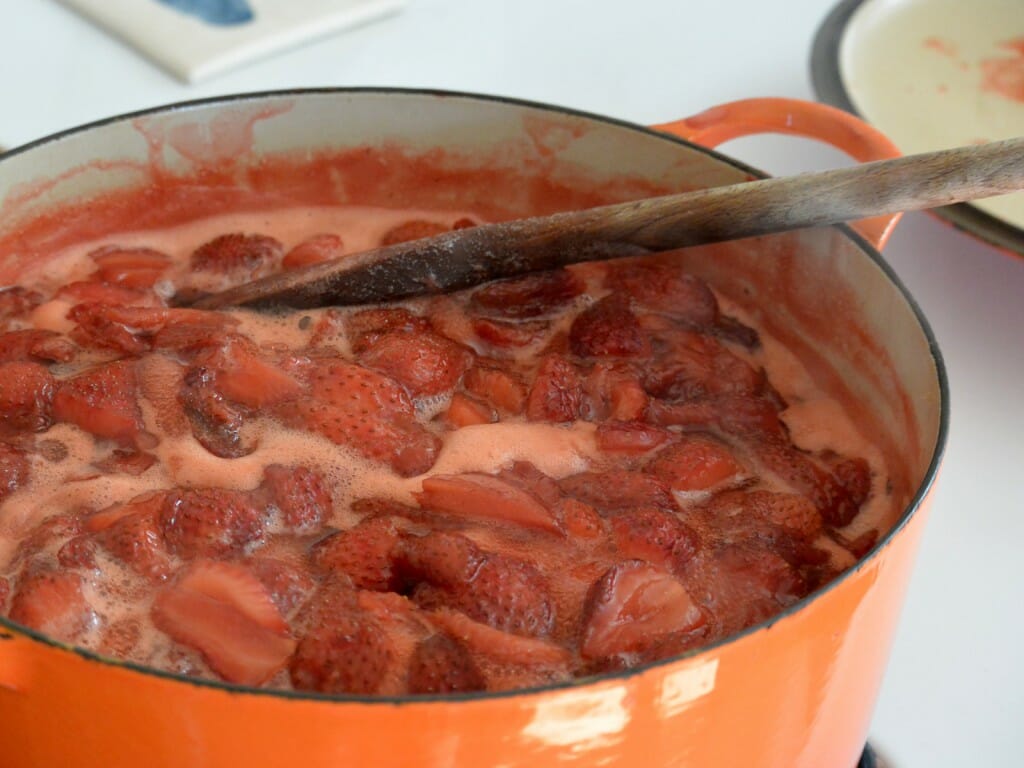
{"x":1005,"y":75}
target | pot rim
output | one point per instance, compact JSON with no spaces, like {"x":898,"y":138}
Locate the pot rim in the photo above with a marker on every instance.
{"x":7,"y":626}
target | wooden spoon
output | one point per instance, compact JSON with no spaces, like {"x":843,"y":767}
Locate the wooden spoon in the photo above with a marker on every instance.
{"x":468,"y":257}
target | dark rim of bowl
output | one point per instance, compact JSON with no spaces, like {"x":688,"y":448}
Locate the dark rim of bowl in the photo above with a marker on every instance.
{"x":918,"y":497}
{"x":827,"y":80}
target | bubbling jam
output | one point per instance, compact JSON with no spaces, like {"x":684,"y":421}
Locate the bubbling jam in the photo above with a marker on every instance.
{"x":542,"y":478}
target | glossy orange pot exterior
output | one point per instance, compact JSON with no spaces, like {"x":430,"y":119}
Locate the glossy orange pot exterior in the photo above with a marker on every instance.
{"x":797,"y":691}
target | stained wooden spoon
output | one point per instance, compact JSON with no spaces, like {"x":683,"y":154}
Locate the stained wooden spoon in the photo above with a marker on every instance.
{"x":468,"y":257}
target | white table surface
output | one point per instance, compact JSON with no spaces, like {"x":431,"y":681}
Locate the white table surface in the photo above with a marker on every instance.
{"x":954,"y":693}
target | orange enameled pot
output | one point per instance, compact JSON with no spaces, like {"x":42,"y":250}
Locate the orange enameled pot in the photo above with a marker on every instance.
{"x":795,"y":691}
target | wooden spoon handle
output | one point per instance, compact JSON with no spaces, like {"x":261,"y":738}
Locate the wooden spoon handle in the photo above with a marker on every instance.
{"x":468,"y":257}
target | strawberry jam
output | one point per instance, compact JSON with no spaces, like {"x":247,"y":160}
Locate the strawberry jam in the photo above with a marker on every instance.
{"x":546,"y":477}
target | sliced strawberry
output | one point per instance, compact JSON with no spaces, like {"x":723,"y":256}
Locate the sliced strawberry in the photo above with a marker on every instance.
{"x":614,"y":391}
{"x":466,"y":411}
{"x":52,"y":602}
{"x":630,"y":437}
{"x":485,"y":497}
{"x":223,"y":611}
{"x":210,"y":522}
{"x":288,"y":584}
{"x":26,"y":396}
{"x":216,"y":423}
{"x":633,"y":607}
{"x":358,"y":390}
{"x":608,"y":329}
{"x":102,"y":401}
{"x":363,"y":553}
{"x":94,"y":292}
{"x":536,"y":295}
{"x":854,"y":475}
{"x":14,"y":470}
{"x":363,"y":328}
{"x":580,"y":520}
{"x":505,"y":334}
{"x":16,"y":302}
{"x":346,"y":652}
{"x":441,"y":665}
{"x":136,"y":541}
{"x":314,"y":250}
{"x":801,"y":471}
{"x":658,"y":284}
{"x":300,"y":494}
{"x":501,"y":647}
{"x":655,"y":536}
{"x":129,"y":267}
{"x":696,"y":463}
{"x":497,"y":387}
{"x":412,"y":230}
{"x":449,"y":570}
{"x":35,"y":344}
{"x":77,"y":552}
{"x":237,"y":252}
{"x":120,"y":462}
{"x":150,"y":503}
{"x":618,"y":489}
{"x":244,"y":377}
{"x":425,"y":363}
{"x":188,"y":329}
{"x":399,"y":442}
{"x":525,"y":475}
{"x":557,"y":392}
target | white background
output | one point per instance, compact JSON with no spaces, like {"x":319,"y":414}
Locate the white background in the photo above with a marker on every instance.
{"x":954,"y":694}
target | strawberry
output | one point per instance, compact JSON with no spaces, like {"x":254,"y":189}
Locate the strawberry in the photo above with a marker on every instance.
{"x":146,"y":503}
{"x":416,"y":229}
{"x":634,"y":606}
{"x":26,"y":396}
{"x":579,"y":520}
{"x":363,"y":328}
{"x":210,"y":522}
{"x":313,"y":250}
{"x":630,"y":437}
{"x":525,"y":475}
{"x":657,"y":284}
{"x":557,"y":392}
{"x":102,"y":326}
{"x":497,"y":387}
{"x":449,"y":570}
{"x":216,"y":423}
{"x":129,"y":267}
{"x":504,"y":334}
{"x":252,"y":254}
{"x":244,"y":377}
{"x":288,"y":584}
{"x":608,"y":329}
{"x":102,"y":401}
{"x":614,"y":391}
{"x":441,"y":665}
{"x":347,"y":652}
{"x":363,"y":553}
{"x":36,"y":345}
{"x":696,"y":463}
{"x":17,"y":302}
{"x":52,"y":602}
{"x":358,"y":390}
{"x":536,"y":295}
{"x":125,"y":462}
{"x":466,"y":411}
{"x":399,"y":442}
{"x":805,"y":475}
{"x":854,"y":475}
{"x":299,"y":494}
{"x":485,"y":497}
{"x":189,"y":329}
{"x":425,"y":363}
{"x":223,"y":611}
{"x":698,"y":366}
{"x":136,"y":541}
{"x":618,"y":489}
{"x":93,"y":292}
{"x":500,"y":647}
{"x":464,"y":223}
{"x":655,"y":536}
{"x":77,"y":552}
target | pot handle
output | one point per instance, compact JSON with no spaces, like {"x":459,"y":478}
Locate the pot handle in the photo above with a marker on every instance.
{"x":794,"y":117}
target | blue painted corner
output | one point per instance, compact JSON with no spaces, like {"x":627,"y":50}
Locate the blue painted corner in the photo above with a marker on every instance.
{"x":222,"y":13}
